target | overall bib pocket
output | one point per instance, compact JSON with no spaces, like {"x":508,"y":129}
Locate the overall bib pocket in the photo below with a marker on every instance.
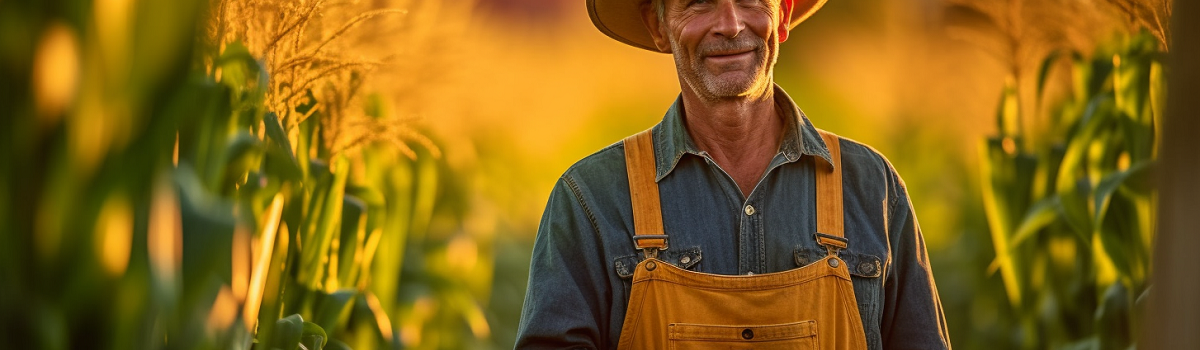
{"x":799,"y":335}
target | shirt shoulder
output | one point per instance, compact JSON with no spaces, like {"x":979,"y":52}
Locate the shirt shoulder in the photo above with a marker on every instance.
{"x":599,"y":180}
{"x":863,"y":155}
{"x":601,"y":166}
{"x":867,"y":167}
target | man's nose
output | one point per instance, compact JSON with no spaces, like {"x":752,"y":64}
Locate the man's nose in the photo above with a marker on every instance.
{"x":728,"y":20}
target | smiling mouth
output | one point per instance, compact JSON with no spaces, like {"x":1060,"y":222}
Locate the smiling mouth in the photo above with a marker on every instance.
{"x":729,"y":58}
{"x":727,"y":54}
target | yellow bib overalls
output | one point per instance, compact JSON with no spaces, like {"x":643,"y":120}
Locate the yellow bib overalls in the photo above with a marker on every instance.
{"x":811,"y":307}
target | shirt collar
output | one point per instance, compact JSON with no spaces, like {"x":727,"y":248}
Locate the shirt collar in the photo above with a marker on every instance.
{"x":672,"y":139}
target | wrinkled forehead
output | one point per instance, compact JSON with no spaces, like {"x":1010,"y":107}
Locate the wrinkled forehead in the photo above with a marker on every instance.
{"x":771,"y":3}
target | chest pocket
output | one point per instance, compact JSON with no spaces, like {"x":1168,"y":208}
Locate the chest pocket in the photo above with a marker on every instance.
{"x":683,"y":258}
{"x":861,"y":265}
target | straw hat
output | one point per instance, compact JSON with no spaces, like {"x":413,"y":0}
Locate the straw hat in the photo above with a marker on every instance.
{"x":622,"y":19}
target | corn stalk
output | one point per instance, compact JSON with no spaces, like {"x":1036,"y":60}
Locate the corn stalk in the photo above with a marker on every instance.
{"x":1072,"y":218}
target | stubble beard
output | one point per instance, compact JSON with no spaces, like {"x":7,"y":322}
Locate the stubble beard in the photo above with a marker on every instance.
{"x":711,"y":87}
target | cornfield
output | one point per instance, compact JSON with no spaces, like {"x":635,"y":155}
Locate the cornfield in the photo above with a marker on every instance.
{"x":368,"y":174}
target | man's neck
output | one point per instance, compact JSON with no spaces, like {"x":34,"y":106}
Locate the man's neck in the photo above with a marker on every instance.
{"x":741,"y":135}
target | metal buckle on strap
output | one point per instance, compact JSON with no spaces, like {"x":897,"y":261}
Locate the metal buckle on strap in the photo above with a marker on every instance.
{"x":831,"y":243}
{"x":650,"y":252}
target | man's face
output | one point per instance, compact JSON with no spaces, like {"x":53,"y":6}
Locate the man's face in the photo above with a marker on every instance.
{"x":723,"y":48}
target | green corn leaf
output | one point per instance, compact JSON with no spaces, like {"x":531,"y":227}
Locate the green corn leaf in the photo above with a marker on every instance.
{"x":1099,"y":72}
{"x":1112,"y":318}
{"x":242,"y":154}
{"x":372,"y":231}
{"x":1074,"y":208}
{"x":1081,"y":71}
{"x":994,"y":169}
{"x":1132,"y":77}
{"x":1109,"y":185}
{"x":272,"y":298}
{"x":1044,"y":73}
{"x":427,"y":184}
{"x":277,"y":134}
{"x":376,"y":206}
{"x":333,"y":309}
{"x":313,"y":337}
{"x":1071,"y":184}
{"x":288,"y":332}
{"x":310,"y":273}
{"x":1047,"y":171}
{"x":1121,"y":239}
{"x":333,"y":344}
{"x":352,"y":238}
{"x":1139,"y":138}
{"x":303,"y":145}
{"x":330,"y":215}
{"x":278,"y":165}
{"x":208,"y":224}
{"x":369,"y":306}
{"x":1042,"y":214}
{"x":1089,"y":343}
{"x":1158,"y":91}
{"x":388,"y":259}
{"x":1008,"y":113}
{"x":237,"y":65}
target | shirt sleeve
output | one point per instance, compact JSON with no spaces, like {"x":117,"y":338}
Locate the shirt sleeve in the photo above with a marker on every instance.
{"x":566,"y":301}
{"x":912,"y":315}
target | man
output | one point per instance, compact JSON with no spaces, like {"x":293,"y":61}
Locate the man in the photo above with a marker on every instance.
{"x":733,"y":223}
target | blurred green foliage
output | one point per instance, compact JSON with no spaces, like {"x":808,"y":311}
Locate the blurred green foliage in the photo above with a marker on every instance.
{"x":1071,"y":208}
{"x":151,"y":202}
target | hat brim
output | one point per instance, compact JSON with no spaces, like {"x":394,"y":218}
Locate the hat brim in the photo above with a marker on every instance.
{"x":622,"y":19}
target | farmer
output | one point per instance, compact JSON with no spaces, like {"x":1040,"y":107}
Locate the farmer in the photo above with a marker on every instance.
{"x":734,"y":222}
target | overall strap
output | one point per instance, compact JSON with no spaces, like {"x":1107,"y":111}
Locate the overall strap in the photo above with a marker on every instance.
{"x":649,"y":235}
{"x":830,"y":231}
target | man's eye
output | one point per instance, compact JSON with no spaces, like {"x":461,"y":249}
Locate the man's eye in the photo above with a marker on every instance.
{"x":700,"y":2}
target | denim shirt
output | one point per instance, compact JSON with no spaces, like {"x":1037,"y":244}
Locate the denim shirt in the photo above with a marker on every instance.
{"x":584,"y":255}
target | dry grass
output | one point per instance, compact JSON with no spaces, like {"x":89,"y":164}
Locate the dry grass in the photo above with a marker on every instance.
{"x":322,"y":54}
{"x":1021,"y":34}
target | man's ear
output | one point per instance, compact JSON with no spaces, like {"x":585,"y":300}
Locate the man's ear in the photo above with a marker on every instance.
{"x":655,"y":27}
{"x":785,"y":18}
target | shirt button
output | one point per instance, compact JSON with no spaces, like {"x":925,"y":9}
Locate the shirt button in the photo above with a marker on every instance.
{"x":750,"y":273}
{"x":749,"y":210}
{"x":866,"y":268}
{"x":685,"y":259}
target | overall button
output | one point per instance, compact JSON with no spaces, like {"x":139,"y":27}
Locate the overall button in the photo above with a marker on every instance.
{"x":749,"y":210}
{"x":685,"y":259}
{"x":834,"y":263}
{"x":747,"y":334}
{"x":650,"y":266}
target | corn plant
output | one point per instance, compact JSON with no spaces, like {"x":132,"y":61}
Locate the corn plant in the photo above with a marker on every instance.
{"x":1071,"y":209}
{"x":157,"y":198}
